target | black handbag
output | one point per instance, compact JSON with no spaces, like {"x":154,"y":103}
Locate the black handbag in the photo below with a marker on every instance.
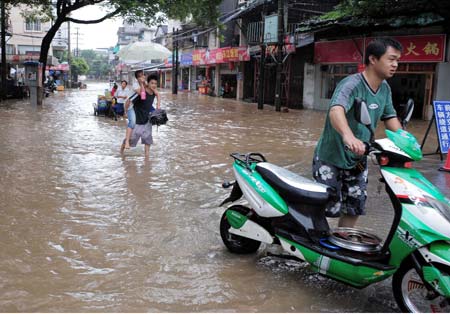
{"x":158,"y":117}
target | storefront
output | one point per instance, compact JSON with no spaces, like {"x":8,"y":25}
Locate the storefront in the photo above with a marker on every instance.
{"x":201,"y":70}
{"x":228,"y":80}
{"x":185,"y":79}
{"x":59,"y":73}
{"x":220,"y":67}
{"x":414,"y":79}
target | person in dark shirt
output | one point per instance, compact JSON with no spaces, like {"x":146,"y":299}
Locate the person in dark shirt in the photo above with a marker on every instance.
{"x":142,"y":108}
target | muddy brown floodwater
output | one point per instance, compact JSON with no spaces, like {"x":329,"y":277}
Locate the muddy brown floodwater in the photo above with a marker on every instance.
{"x":84,"y":229}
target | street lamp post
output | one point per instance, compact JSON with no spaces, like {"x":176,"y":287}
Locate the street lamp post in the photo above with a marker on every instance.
{"x":3,"y":40}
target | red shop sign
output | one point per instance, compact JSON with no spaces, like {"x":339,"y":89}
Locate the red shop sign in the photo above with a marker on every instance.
{"x":220,"y":55}
{"x":339,"y":51}
{"x":421,"y":48}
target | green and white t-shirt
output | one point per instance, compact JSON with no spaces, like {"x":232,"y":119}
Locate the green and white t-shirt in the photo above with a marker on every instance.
{"x":330,"y":148}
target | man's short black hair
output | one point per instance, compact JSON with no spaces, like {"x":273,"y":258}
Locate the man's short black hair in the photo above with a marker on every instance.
{"x":124,"y":81}
{"x":152,"y":77}
{"x":137,"y":73}
{"x":378,"y":47}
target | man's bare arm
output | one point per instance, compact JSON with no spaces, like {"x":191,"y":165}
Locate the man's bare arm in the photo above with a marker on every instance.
{"x":392,"y":124}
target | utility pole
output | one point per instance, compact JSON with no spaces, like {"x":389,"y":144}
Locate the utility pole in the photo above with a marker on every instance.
{"x":280,"y":56}
{"x":173,"y":62}
{"x":78,"y":34}
{"x":261,"y":77}
{"x":262,"y":65}
{"x":69,"y":57}
{"x":3,"y":39}
{"x":176,"y":66}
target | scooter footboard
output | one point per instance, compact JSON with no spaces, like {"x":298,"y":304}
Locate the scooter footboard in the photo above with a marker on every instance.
{"x":355,"y":274}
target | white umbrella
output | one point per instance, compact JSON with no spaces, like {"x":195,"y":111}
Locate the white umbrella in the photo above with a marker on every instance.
{"x":143,"y":51}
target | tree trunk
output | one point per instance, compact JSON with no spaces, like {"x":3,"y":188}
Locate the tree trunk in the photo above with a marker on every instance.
{"x":46,"y":42}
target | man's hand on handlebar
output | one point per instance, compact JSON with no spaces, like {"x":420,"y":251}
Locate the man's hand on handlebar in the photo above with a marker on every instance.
{"x":355,"y":145}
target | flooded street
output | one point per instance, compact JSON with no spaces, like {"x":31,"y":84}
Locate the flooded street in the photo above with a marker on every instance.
{"x":84,"y":229}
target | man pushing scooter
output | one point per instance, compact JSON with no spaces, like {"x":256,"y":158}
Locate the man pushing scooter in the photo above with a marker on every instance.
{"x":339,"y":159}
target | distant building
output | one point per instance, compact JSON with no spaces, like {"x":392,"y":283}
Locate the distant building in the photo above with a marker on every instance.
{"x":26,"y":38}
{"x":132,"y":32}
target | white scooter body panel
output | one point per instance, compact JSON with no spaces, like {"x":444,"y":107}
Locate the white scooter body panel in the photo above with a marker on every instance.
{"x":258,"y":204}
{"x":389,"y":146}
{"x":427,"y":215}
{"x":287,"y":248}
{"x":253,"y":231}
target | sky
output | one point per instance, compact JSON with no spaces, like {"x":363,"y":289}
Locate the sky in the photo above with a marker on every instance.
{"x":92,"y":36}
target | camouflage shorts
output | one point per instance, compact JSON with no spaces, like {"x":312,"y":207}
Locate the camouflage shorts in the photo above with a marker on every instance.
{"x":350,"y":185}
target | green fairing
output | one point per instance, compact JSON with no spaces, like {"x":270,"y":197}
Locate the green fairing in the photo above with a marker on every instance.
{"x":419,"y":235}
{"x":263,"y":188}
{"x":406,"y":142}
{"x":358,"y":276}
{"x":441,"y":249}
{"x":440,"y":282}
{"x":236,"y":220}
{"x":415,"y":177}
{"x":399,"y":245}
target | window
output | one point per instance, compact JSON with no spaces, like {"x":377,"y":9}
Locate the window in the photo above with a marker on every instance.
{"x":28,"y":49}
{"x":10,"y":49}
{"x":332,"y":74}
{"x":32,"y":25}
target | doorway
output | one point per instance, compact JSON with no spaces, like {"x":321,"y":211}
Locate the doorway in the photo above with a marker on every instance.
{"x":229,"y":85}
{"x":405,"y":86}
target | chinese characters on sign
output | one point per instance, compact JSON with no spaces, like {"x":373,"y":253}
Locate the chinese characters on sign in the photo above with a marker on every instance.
{"x":419,"y":48}
{"x":220,"y":55}
{"x":442,"y":116}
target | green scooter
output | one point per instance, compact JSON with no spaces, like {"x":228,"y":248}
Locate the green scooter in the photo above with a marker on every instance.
{"x":288,"y":211}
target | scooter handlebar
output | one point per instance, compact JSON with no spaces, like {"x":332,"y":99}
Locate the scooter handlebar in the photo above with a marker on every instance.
{"x":366,"y":151}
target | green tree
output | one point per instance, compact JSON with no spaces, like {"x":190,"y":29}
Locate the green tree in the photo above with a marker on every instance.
{"x":78,"y":66}
{"x":98,"y":62}
{"x":88,"y":54}
{"x":388,"y":8}
{"x":203,"y":12}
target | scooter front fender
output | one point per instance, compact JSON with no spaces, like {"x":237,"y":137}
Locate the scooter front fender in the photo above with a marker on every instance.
{"x":436,"y":274}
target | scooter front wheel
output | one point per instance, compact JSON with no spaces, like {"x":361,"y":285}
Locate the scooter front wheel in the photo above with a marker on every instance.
{"x":411,"y":294}
{"x":235,"y":243}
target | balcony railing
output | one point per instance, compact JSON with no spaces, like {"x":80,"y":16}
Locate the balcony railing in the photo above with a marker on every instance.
{"x":255,"y":31}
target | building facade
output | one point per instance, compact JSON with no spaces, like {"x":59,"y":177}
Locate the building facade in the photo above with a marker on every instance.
{"x":26,"y":38}
{"x":422,"y":68}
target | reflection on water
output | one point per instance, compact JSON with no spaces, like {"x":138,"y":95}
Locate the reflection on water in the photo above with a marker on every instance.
{"x":86,"y":229}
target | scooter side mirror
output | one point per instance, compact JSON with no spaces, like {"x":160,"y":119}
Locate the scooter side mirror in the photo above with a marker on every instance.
{"x":362,"y":112}
{"x":407,"y":113}
{"x":362,"y":115}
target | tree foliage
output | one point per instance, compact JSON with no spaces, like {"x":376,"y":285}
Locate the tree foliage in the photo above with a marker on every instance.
{"x":98,"y":63}
{"x":202,"y":12}
{"x":388,"y":8}
{"x":78,"y":66}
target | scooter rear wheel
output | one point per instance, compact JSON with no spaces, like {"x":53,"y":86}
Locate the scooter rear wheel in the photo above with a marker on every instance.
{"x":411,"y":293}
{"x":234,"y":243}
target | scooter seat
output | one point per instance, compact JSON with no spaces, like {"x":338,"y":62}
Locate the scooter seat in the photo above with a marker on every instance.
{"x":292,"y":187}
